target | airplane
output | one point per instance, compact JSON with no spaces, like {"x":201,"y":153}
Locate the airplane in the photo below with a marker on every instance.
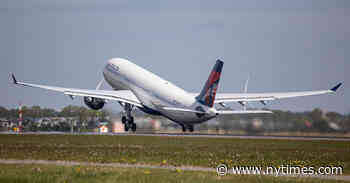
{"x":135,"y":87}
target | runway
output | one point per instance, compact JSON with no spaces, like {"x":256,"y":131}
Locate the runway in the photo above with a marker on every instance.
{"x":235,"y":136}
{"x":241,"y":136}
{"x":196,"y":135}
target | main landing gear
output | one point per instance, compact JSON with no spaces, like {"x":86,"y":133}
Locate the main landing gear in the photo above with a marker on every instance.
{"x":185,"y":127}
{"x":128,"y":119}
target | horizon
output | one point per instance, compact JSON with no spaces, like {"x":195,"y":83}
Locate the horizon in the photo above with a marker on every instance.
{"x":118,"y":111}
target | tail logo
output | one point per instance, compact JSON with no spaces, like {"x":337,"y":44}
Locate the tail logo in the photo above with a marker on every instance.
{"x":207,"y":96}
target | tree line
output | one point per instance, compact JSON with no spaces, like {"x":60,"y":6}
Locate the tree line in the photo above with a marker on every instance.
{"x":36,"y":112}
{"x":308,"y":121}
{"x":315,"y":120}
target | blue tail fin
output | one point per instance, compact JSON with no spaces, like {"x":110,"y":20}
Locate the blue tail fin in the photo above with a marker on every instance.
{"x":207,"y":95}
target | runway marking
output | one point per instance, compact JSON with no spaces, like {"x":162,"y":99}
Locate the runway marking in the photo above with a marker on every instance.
{"x":122,"y":165}
{"x":196,"y":135}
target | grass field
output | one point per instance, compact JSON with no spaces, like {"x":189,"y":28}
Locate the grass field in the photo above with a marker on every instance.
{"x":176,"y":151}
{"x":86,"y":174}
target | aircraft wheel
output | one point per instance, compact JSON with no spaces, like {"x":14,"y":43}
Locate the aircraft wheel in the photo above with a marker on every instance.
{"x":133,"y":127}
{"x":190,"y":128}
{"x":124,"y":120}
{"x":126,"y":127}
{"x":131,"y":120}
{"x":183,"y":128}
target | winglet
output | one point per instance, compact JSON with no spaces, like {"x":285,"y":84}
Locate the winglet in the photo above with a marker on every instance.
{"x":13,"y":78}
{"x":334,"y":89}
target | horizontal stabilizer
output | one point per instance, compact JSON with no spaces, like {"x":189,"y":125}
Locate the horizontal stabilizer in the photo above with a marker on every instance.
{"x":245,"y":112}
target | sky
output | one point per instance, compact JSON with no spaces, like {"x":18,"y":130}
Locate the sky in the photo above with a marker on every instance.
{"x":282,"y":45}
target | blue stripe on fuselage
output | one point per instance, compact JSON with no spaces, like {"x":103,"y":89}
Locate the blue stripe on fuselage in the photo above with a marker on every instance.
{"x":148,"y":110}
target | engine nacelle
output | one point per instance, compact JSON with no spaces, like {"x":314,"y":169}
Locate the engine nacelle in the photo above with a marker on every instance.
{"x":94,"y":103}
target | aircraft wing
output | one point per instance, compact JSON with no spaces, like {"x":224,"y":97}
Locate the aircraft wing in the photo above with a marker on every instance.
{"x":249,"y":97}
{"x":125,"y":96}
{"x":261,"y":97}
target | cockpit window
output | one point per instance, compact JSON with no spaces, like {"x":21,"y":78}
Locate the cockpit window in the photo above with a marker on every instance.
{"x":112,"y":67}
{"x":115,"y":67}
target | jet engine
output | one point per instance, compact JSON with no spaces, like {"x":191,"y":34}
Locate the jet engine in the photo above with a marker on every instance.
{"x":94,"y":103}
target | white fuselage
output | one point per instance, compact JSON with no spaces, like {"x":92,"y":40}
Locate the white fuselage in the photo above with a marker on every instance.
{"x":154,"y":92}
